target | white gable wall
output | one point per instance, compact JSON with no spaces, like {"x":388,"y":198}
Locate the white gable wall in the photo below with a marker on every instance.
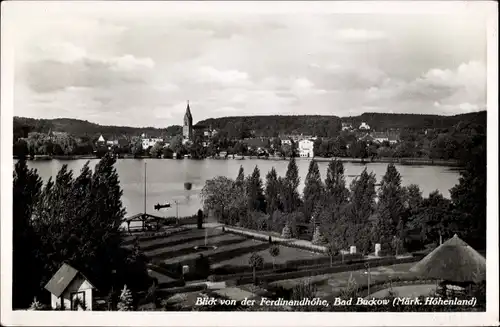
{"x":79,"y":284}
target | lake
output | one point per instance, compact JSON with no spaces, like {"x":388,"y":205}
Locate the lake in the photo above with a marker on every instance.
{"x":166,"y":178}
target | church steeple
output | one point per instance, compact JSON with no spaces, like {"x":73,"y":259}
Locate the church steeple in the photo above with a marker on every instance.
{"x":187,"y":129}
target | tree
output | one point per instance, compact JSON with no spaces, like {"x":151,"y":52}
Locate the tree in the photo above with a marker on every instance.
{"x":313,"y":190}
{"x":255,"y":192}
{"x":272,"y":191}
{"x":25,"y":268}
{"x":167,"y":153}
{"x":332,"y":250}
{"x":469,"y":195}
{"x":222,"y":196}
{"x":433,"y":220}
{"x":335,"y":188}
{"x":318,"y":238}
{"x":255,"y":261}
{"x":157,"y":150}
{"x":199,"y":219}
{"x":125,"y":303}
{"x":359,"y":211}
{"x":286,"y":233}
{"x":78,"y":221}
{"x":289,"y":194}
{"x":391,"y":206}
{"x":274,"y":251}
{"x":176,"y":144}
{"x":362,"y":198}
{"x":240,"y":179}
{"x":137,"y":149}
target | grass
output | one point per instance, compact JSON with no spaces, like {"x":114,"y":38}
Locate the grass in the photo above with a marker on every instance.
{"x":286,"y":254}
{"x":408,"y":291}
{"x":232,"y":249}
{"x":332,"y":283}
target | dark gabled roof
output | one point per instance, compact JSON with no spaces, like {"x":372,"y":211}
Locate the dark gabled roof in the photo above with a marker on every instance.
{"x":61,"y":279}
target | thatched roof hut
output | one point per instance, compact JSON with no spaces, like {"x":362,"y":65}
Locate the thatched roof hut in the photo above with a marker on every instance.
{"x":453,"y":261}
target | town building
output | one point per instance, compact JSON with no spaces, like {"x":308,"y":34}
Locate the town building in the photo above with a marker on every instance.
{"x":70,"y":290}
{"x":286,"y":141}
{"x":346,"y":126}
{"x":380,"y":137}
{"x":149,"y":141}
{"x":364,"y":126}
{"x":306,"y":148}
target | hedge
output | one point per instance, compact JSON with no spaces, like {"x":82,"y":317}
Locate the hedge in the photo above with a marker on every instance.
{"x":247,"y":278}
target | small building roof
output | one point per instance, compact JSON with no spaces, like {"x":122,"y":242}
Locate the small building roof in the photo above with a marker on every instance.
{"x":62,"y":278}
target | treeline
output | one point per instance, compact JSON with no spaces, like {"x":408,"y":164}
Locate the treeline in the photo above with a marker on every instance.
{"x":329,"y":212}
{"x":73,"y":219}
{"x":443,"y":143}
{"x":248,"y":126}
{"x":83,"y":128}
{"x":330,"y":126}
{"x":386,"y":121}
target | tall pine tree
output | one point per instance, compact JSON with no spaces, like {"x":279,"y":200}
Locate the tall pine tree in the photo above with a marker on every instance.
{"x":25,"y":268}
{"x":332,"y":219}
{"x":272,"y":192}
{"x":359,"y":212}
{"x":313,"y":190}
{"x":335,"y":187}
{"x":255,"y":192}
{"x":240,"y":179}
{"x":289,"y":193}
{"x":390,"y":207}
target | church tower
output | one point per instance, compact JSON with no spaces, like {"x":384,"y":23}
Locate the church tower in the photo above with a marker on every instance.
{"x":187,"y":128}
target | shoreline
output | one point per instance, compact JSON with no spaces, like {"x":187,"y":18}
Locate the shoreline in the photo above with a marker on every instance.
{"x":401,"y":161}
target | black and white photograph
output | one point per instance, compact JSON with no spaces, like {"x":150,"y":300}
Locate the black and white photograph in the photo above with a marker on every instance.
{"x":249,"y":163}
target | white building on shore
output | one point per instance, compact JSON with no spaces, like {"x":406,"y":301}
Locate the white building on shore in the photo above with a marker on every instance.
{"x":306,"y":148}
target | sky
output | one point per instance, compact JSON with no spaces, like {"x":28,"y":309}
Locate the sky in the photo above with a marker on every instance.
{"x":139,"y":67}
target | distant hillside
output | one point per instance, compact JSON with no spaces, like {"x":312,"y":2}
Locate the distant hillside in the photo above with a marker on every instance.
{"x":382,"y":121}
{"x":22,"y":126}
{"x":245,"y":126}
{"x":325,"y":126}
{"x":277,"y":125}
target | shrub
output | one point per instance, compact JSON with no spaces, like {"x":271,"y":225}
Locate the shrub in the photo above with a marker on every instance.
{"x":286,"y":233}
{"x":125,"y":302}
{"x":318,"y":238}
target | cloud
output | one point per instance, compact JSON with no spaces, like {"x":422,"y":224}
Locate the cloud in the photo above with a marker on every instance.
{"x":226,"y":77}
{"x":447,"y":90}
{"x":360,"y":35}
{"x":66,"y":65}
{"x":134,"y":69}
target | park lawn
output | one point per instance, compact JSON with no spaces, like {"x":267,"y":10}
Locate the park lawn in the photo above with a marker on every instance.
{"x":169,"y":250}
{"x":180,"y":237}
{"x":329,"y":284}
{"x":286,"y":254}
{"x":246,"y":245}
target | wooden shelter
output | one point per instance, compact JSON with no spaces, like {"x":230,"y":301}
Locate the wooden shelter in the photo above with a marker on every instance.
{"x":454,"y":262}
{"x":146,"y":219}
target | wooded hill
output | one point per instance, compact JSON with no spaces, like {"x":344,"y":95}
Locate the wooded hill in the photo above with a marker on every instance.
{"x":79,"y":128}
{"x":382,"y":122}
{"x":326,"y":126}
{"x":245,"y":126}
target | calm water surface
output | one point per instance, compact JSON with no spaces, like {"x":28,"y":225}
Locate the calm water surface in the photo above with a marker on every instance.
{"x":166,"y":178}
